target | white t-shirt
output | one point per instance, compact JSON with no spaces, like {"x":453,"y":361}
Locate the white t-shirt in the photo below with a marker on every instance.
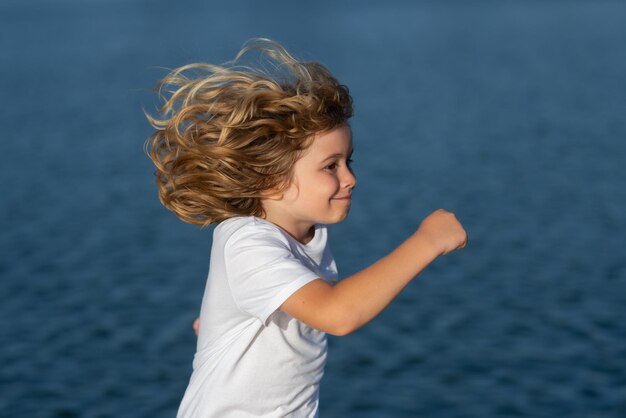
{"x":252,"y":359}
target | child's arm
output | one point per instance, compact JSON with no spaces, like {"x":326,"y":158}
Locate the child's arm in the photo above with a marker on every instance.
{"x":353,"y":302}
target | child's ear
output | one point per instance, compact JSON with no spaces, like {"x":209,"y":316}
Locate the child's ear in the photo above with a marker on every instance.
{"x":272,"y":194}
{"x":276,"y":193}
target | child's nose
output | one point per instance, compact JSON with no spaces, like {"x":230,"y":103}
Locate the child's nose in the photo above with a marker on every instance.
{"x":348,"y":179}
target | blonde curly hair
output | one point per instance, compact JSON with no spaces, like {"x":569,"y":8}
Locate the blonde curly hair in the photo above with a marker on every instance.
{"x":227,"y":134}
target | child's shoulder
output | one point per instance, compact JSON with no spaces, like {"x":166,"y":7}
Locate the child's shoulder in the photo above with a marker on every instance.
{"x":249,"y":229}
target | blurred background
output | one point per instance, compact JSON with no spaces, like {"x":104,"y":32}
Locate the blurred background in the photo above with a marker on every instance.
{"x":509,"y":113}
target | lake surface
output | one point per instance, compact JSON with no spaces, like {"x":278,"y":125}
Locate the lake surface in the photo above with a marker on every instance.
{"x":511,"y":114}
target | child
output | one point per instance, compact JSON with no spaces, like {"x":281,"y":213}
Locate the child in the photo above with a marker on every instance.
{"x":263,"y":150}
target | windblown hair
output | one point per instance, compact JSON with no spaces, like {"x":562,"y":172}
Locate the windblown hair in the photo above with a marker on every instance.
{"x":226,"y":134}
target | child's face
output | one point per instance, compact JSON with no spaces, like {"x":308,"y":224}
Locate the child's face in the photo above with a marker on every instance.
{"x":321,"y":187}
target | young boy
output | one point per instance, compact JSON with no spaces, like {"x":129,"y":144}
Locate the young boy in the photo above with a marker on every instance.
{"x":263,"y":149}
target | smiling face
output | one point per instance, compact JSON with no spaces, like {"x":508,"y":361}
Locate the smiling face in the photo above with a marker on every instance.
{"x":321,"y":187}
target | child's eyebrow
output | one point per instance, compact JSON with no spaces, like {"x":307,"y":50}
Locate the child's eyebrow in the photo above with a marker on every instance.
{"x":338,"y":155}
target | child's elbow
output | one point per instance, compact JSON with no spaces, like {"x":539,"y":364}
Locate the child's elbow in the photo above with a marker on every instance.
{"x":340,"y":331}
{"x":343,"y":324}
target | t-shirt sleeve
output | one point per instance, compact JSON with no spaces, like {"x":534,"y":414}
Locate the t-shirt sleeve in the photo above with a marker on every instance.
{"x":262,"y":271}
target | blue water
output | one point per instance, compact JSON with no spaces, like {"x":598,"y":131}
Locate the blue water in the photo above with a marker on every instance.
{"x":512,"y":114}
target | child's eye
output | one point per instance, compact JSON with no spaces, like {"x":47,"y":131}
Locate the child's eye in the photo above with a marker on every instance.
{"x":335,"y":165}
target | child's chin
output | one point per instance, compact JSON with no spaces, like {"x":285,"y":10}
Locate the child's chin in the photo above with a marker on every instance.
{"x":339,"y":218}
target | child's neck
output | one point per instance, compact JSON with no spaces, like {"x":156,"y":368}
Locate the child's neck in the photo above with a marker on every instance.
{"x":302,"y":233}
